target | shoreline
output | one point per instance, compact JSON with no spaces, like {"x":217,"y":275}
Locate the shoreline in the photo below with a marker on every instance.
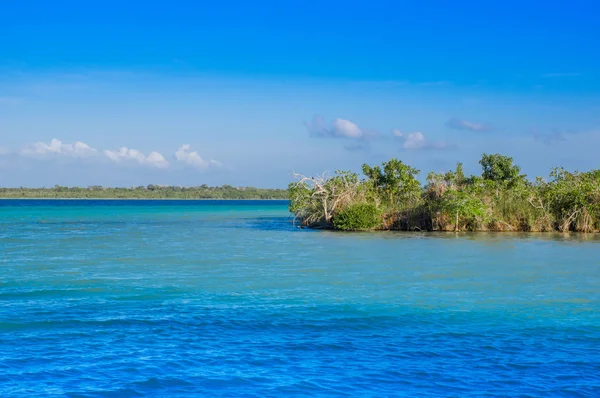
{"x":429,"y":231}
{"x":183,"y":199}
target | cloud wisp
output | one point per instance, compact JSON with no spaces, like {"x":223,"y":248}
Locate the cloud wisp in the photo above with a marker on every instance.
{"x":340,"y":128}
{"x":124,"y":154}
{"x":552,"y":137}
{"x":191,"y":158}
{"x":57,"y":147}
{"x":465,"y":125}
{"x":416,"y":140}
{"x":357,"y":138}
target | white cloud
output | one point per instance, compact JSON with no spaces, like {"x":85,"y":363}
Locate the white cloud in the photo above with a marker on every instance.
{"x":358,"y":139}
{"x":78,"y":149}
{"x":192,"y":158}
{"x":125,"y":154}
{"x":414,"y":140}
{"x":157,"y":160}
{"x":417,"y":140}
{"x":341,"y":128}
{"x":346,"y":129}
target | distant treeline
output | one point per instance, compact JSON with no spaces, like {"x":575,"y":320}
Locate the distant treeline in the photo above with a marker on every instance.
{"x":390,"y":197}
{"x":145,"y":192}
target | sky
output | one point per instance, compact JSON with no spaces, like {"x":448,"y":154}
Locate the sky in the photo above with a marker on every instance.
{"x":248,"y":93}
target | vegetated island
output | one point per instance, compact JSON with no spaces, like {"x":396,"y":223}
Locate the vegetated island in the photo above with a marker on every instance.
{"x":145,"y":192}
{"x":390,"y":197}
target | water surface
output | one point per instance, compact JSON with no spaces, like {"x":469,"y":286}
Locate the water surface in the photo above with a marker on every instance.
{"x":228,"y":298}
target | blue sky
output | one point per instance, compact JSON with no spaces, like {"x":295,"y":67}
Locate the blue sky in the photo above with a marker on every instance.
{"x":246,"y":93}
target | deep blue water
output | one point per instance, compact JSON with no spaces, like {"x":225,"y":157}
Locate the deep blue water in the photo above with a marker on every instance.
{"x":180,"y":298}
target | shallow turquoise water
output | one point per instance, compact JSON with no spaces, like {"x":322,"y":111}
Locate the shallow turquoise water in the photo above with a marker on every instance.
{"x":116,"y":298}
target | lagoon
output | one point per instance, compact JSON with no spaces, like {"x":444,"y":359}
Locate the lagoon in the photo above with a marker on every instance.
{"x":230,"y":298}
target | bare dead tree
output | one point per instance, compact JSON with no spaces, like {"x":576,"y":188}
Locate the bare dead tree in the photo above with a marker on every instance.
{"x":327,"y":194}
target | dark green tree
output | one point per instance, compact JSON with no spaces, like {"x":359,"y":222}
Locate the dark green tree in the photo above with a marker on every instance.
{"x":395,"y":182}
{"x":500,"y":169}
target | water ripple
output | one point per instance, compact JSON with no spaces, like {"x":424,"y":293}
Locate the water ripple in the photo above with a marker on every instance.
{"x":194,"y":299}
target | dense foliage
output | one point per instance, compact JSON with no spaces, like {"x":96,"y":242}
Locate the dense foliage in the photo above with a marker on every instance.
{"x":500,"y":199}
{"x":357,"y":217}
{"x":146,"y":192}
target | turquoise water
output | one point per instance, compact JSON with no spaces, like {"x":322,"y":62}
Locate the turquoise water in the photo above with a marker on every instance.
{"x":170,"y":298}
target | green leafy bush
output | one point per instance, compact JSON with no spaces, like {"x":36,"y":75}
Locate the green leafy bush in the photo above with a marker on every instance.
{"x":357,"y":217}
{"x":463,"y":208}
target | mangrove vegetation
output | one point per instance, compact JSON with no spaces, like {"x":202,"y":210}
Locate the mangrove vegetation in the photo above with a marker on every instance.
{"x":390,"y":197}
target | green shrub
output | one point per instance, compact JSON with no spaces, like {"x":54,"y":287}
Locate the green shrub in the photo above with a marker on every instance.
{"x":464,"y":209}
{"x":357,"y":217}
